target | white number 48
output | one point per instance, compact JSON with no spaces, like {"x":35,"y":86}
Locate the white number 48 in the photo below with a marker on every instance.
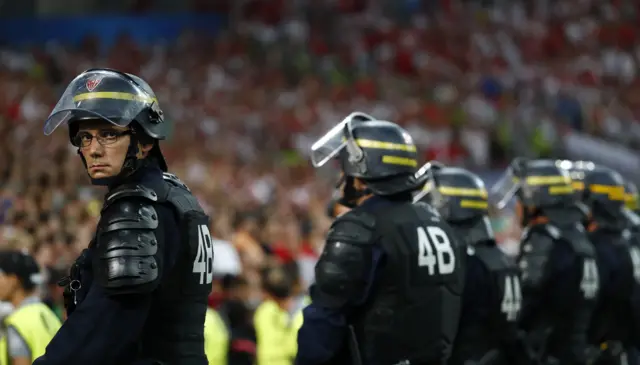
{"x":203,"y":264}
{"x":435,"y":239}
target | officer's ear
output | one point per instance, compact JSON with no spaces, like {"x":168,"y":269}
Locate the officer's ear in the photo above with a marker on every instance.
{"x":143,"y":150}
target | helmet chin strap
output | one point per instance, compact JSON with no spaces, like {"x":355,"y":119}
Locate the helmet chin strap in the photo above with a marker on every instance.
{"x":130,"y":165}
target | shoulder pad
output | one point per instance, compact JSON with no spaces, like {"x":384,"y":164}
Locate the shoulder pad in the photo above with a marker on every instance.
{"x":579,"y":241}
{"x":175,"y":181}
{"x":128,"y":214}
{"x":428,"y":208}
{"x":539,"y":235}
{"x":548,"y":229}
{"x":126,"y":246}
{"x":355,"y":226}
{"x":125,"y":261}
{"x":183,"y":201}
{"x":493,"y":258}
{"x":180,"y":196}
{"x":129,"y":191}
{"x":552,"y":231}
{"x":340,"y":273}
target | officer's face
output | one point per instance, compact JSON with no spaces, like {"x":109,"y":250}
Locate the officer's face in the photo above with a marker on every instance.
{"x":104,"y":147}
{"x":103,"y":159}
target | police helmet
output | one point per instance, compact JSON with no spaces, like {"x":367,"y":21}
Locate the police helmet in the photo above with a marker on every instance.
{"x":460,"y":198}
{"x":380,"y":153}
{"x":118,"y":98}
{"x":604,"y":193}
{"x":536,"y":184}
{"x":457,"y":194}
{"x":577,"y":171}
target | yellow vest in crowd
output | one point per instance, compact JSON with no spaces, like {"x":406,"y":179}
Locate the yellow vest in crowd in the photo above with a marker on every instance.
{"x":276,"y":334}
{"x":36,"y":323}
{"x":216,"y":338}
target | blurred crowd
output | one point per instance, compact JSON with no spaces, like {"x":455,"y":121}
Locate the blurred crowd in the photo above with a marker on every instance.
{"x":475,"y":82}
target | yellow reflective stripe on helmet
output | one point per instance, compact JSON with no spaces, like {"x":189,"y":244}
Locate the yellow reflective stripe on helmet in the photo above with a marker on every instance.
{"x":578,"y":185}
{"x":631,"y":201}
{"x":614,"y":192}
{"x":369,"y":143}
{"x":114,"y":96}
{"x":545,"y":180}
{"x":473,"y":204}
{"x":548,"y":180}
{"x":561,"y":190}
{"x":402,"y":161}
{"x":453,"y":191}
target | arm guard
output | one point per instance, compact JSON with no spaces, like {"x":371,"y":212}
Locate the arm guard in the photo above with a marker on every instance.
{"x":126,"y":259}
{"x":343,"y":270}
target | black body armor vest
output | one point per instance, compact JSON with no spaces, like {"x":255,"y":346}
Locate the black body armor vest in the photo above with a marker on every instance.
{"x":413,"y":312}
{"x":562,"y":303}
{"x":613,"y":320}
{"x":497,"y":330}
{"x":173,"y":333}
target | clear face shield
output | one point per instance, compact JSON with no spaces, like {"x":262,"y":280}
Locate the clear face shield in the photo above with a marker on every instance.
{"x":504,"y":189}
{"x":85,"y":99}
{"x":430,"y":188}
{"x":338,"y":138}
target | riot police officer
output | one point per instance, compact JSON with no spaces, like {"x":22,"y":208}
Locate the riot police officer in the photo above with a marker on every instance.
{"x":492,"y":295}
{"x":612,"y":326}
{"x":631,"y":210}
{"x":138,"y":293}
{"x":559,"y":271}
{"x":390,"y":278}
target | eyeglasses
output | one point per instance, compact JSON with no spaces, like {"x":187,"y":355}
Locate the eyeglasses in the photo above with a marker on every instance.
{"x":104,"y":137}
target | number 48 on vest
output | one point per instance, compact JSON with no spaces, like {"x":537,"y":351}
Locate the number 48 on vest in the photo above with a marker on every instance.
{"x":203,"y":264}
{"x":443,"y":258}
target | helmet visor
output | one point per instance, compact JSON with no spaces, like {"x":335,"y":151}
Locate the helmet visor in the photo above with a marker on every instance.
{"x":331,"y":143}
{"x":504,"y":189}
{"x":425,"y":173}
{"x":100,"y":94}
